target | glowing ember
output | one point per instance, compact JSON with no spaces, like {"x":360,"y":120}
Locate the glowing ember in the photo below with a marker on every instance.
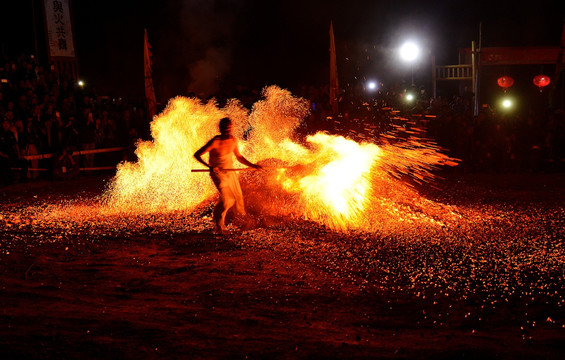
{"x":391,"y":240}
{"x":337,"y":188}
{"x":330,"y":179}
{"x":161,"y":179}
{"x":498,"y":254}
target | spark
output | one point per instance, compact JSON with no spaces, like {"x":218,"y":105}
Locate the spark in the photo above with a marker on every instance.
{"x":342,"y":204}
{"x":336,"y":183}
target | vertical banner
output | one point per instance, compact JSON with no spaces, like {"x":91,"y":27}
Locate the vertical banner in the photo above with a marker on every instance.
{"x":560,"y":61}
{"x":334,"y":86}
{"x":60,"y":38}
{"x":59,"y":28}
{"x":149,"y":89}
{"x":556,"y":99}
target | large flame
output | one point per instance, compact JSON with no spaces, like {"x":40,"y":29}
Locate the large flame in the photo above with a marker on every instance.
{"x":334,"y":186}
{"x":161,"y":179}
{"x":325,"y":178}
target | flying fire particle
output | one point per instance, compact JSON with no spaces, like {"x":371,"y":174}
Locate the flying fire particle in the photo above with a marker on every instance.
{"x":326,"y":178}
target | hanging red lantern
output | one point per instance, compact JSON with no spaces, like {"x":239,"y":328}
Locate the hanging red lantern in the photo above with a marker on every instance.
{"x":541,"y":81}
{"x":505,"y":82}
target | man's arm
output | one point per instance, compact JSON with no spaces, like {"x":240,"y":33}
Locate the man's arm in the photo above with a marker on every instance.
{"x":242,"y":159}
{"x":203,"y":150}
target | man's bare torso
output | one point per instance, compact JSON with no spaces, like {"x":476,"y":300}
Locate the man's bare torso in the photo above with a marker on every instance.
{"x":222,"y":147}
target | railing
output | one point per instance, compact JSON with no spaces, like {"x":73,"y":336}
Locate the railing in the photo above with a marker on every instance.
{"x":461,"y":72}
{"x":454,"y":72}
{"x":77,"y":152}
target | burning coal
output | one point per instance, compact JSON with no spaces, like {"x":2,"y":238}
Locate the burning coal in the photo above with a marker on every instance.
{"x":389,"y":237}
{"x":325,"y":178}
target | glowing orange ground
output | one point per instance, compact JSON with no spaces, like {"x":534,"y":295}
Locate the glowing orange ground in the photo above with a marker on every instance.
{"x":357,"y":251}
{"x":487,"y":283}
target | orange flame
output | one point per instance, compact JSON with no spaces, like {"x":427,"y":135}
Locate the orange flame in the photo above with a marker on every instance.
{"x":326,"y":178}
{"x":336,"y":188}
{"x":161,"y":179}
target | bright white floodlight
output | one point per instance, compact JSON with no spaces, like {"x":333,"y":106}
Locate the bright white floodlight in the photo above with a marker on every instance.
{"x":409,"y":51}
{"x":371,"y":85}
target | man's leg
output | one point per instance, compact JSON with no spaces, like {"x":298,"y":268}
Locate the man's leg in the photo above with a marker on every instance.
{"x":226,"y":202}
{"x":5,"y":172}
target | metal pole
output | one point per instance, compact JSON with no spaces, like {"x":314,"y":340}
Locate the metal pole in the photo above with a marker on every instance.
{"x":34,"y":32}
{"x":434,"y":76}
{"x":477,"y":79}
{"x":208,"y":170}
{"x":473,"y":80}
{"x":250,"y":168}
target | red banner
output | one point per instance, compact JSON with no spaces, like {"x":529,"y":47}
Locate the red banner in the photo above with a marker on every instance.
{"x":149,"y":89}
{"x":334,"y":85}
{"x":517,"y":55}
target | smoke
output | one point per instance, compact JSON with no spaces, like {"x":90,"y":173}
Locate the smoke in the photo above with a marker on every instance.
{"x":207,"y":72}
{"x":193,"y":44}
{"x":207,"y":30}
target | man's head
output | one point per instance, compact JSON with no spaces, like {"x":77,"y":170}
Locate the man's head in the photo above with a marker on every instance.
{"x":225,"y":126}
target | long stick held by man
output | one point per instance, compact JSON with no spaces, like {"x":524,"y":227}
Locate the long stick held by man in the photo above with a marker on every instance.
{"x":221,"y":149}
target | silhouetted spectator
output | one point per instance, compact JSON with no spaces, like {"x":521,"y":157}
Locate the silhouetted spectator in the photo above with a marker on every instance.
{"x":31,"y":139}
{"x":10,"y":156}
{"x":88,"y":136}
{"x":65,"y":167}
{"x":70,"y":134}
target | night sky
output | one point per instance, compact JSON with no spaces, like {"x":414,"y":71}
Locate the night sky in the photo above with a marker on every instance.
{"x":201,"y":45}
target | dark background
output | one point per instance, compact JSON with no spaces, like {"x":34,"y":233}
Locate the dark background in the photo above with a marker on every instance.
{"x":199,"y":46}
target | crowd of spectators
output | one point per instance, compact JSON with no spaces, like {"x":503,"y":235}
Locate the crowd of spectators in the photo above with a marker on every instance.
{"x":44,"y":113}
{"x":495,"y":140}
{"x":498,"y":141}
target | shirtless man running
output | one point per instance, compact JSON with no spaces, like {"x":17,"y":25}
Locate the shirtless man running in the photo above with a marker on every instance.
{"x":222,"y":148}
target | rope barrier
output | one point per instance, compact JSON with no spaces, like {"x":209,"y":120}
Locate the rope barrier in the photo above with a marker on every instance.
{"x":77,"y":152}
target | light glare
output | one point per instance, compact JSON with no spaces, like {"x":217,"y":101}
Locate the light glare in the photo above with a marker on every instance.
{"x":409,"y":51}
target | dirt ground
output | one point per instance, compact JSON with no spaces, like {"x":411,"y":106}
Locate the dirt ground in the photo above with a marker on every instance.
{"x":163,"y":291}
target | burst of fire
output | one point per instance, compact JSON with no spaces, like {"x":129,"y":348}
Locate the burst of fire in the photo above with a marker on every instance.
{"x":326,"y":178}
{"x":334,"y":186}
{"x":161,"y":178}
